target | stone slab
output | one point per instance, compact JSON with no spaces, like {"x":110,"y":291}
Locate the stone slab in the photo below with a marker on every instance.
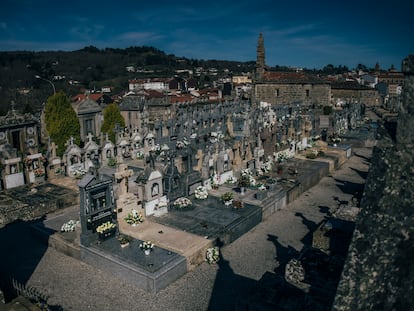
{"x":151,"y":272}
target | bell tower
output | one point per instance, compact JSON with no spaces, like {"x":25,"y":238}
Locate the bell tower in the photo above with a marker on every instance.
{"x":260,"y":62}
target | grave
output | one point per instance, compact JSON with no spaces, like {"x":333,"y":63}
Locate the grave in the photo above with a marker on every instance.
{"x":100,"y":248}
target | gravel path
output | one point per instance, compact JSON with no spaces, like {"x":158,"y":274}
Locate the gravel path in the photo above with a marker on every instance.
{"x":75,"y":285}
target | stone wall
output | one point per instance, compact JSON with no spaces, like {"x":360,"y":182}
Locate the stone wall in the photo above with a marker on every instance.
{"x":379,"y":271}
{"x":287,"y":93}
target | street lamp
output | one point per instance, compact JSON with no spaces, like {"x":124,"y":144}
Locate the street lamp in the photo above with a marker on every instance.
{"x":39,"y":77}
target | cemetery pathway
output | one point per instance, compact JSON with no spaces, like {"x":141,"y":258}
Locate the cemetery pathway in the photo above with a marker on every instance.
{"x":75,"y":285}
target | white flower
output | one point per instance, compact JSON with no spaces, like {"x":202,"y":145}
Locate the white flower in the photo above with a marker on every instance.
{"x":146,"y":245}
{"x":69,"y":226}
{"x":212,"y":255}
{"x":201,"y":193}
{"x":182,"y":202}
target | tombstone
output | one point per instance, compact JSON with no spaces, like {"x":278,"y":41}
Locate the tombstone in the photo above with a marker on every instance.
{"x":190,"y":177}
{"x":12,"y":173}
{"x":91,"y":151}
{"x":108,"y":152}
{"x":55,"y":163}
{"x":35,"y":168}
{"x":173,"y":181}
{"x":126,"y":201}
{"x":73,"y":160}
{"x":97,"y":203}
{"x":151,"y":190}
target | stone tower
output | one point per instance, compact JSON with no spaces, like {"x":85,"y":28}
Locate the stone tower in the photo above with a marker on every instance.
{"x":260,"y":62}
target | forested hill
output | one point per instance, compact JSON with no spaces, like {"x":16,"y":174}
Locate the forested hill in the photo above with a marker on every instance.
{"x":89,"y":68}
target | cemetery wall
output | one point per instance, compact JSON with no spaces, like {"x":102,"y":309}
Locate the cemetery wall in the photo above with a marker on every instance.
{"x":379,"y":270}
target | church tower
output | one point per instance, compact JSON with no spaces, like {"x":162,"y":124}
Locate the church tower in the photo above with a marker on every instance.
{"x":260,"y":62}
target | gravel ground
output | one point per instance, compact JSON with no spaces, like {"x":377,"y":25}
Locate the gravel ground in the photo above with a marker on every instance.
{"x":75,"y":285}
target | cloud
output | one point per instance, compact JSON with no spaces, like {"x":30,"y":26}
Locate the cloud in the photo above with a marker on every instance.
{"x":137,"y":37}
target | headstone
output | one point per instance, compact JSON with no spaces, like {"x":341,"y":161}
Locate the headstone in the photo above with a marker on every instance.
{"x":97,"y":203}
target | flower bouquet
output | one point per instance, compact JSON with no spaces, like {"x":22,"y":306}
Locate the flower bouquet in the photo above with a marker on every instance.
{"x":201,"y":193}
{"x":227,"y":198}
{"x":69,"y":226}
{"x":212,"y":255}
{"x":39,"y":172}
{"x":134,"y":218}
{"x":182,"y":203}
{"x":147,"y":247}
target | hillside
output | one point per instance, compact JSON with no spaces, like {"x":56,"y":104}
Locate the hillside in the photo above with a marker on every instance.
{"x":88,"y":68}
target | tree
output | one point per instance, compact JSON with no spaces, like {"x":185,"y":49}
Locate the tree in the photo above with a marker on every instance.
{"x":112,"y":117}
{"x":61,"y":121}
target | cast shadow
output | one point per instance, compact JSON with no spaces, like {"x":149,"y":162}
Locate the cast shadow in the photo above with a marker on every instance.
{"x":283,"y":254}
{"x":367,"y":159}
{"x":362,"y":174}
{"x":23,"y":250}
{"x":229,"y":287}
{"x":349,"y":187}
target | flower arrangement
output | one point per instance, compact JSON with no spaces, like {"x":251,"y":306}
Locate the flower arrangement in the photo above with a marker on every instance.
{"x":231,"y":180}
{"x":134,"y":218}
{"x":201,"y":193}
{"x":79,"y":173}
{"x":182,"y":203}
{"x":146,"y":245}
{"x":215,"y":180}
{"x":212,"y":255}
{"x":106,"y":226}
{"x":39,"y":172}
{"x":123,"y":240}
{"x":247,"y":178}
{"x":227,"y":197}
{"x":284,"y":155}
{"x":266,"y":166}
{"x":69,"y":226}
{"x":261,"y":187}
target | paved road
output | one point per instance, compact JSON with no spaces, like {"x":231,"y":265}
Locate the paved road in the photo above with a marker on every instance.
{"x":75,"y":285}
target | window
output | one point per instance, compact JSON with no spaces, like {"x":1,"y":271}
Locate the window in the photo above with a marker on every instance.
{"x":307,"y":93}
{"x":277,"y":93}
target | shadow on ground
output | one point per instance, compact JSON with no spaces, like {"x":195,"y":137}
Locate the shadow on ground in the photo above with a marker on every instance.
{"x":22,"y":252}
{"x":228,"y":286}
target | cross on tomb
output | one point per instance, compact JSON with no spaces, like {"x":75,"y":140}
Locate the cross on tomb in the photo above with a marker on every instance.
{"x":123,"y":174}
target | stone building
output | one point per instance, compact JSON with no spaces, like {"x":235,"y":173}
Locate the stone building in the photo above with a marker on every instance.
{"x":90,"y":117}
{"x":288,"y":87}
{"x":353,"y":92}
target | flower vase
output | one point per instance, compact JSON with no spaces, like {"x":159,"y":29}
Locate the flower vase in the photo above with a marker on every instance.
{"x":134,"y":225}
{"x":147,"y":251}
{"x":242,"y":190}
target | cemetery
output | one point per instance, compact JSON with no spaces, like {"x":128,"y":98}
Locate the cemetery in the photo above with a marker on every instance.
{"x":182,"y":184}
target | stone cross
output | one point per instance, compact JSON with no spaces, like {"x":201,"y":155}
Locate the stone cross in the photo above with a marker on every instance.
{"x":123,"y":174}
{"x":53,"y":147}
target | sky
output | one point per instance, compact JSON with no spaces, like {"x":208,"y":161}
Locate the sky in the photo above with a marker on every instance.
{"x":305,"y":33}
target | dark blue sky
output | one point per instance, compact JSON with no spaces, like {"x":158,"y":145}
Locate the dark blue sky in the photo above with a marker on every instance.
{"x":308,"y":34}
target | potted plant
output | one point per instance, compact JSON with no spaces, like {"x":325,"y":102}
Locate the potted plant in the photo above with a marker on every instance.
{"x":134,"y":218}
{"x":227,"y":198}
{"x":146,"y":247}
{"x":124,"y":240}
